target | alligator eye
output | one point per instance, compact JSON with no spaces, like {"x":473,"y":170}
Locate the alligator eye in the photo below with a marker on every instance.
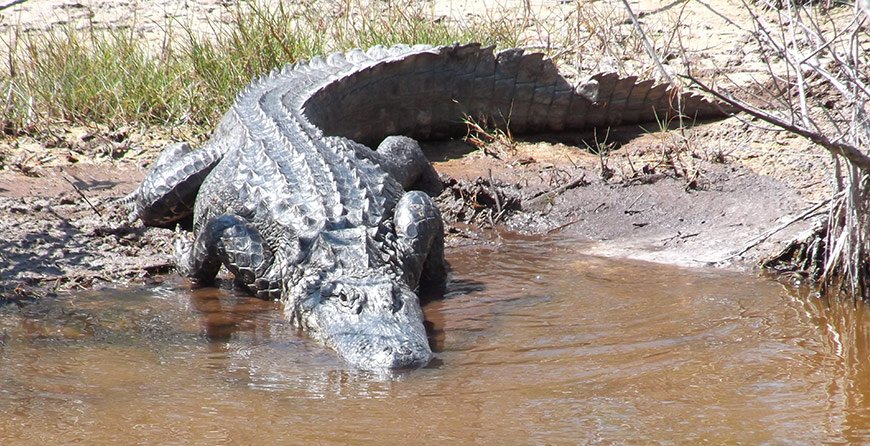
{"x":347,"y":297}
{"x":352,"y":299}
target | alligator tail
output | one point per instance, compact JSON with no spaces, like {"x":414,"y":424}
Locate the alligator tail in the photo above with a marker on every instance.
{"x":428,"y":93}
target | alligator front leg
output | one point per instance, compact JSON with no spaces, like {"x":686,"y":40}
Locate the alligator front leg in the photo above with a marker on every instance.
{"x":167,"y":195}
{"x":232,"y":241}
{"x":420,"y":232}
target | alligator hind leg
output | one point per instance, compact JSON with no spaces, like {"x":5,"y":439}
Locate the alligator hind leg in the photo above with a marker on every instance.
{"x":420,"y":232}
{"x":167,"y":195}
{"x":233,"y":242}
{"x":403,"y":158}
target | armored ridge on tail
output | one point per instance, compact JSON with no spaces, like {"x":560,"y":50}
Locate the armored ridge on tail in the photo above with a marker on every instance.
{"x":287,"y":196}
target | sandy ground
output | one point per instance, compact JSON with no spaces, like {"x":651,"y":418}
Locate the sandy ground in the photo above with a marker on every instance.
{"x":694,"y":198}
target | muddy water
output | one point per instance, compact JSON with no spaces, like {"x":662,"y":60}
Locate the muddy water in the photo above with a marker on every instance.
{"x":536,"y":344}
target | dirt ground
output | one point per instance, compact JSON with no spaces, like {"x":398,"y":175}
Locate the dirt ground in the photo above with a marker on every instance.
{"x":706,"y":195}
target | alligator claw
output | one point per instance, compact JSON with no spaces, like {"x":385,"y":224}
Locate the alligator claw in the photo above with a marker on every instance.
{"x":128,"y":202}
{"x":183,"y":246}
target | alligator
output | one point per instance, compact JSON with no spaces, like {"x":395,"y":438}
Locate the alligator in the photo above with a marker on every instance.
{"x":288,"y":195}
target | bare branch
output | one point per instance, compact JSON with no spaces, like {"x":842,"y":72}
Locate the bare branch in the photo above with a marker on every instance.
{"x":11,"y":4}
{"x":647,"y":45}
{"x":848,"y":151}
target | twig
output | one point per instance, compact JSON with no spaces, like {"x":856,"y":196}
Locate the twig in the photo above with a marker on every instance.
{"x":766,"y":235}
{"x":494,"y":193}
{"x":848,"y":151}
{"x":491,"y":220}
{"x":549,"y":195}
{"x":81,"y":194}
{"x":563,"y":226}
{"x":648,"y":46}
{"x":633,"y":202}
{"x":681,"y":236}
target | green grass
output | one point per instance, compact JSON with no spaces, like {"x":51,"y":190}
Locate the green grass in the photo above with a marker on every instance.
{"x":101,"y":77}
{"x":114,"y":78}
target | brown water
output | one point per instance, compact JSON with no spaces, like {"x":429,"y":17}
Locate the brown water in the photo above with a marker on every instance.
{"x":537,"y":344}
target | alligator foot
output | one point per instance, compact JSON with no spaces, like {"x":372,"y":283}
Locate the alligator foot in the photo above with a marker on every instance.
{"x":166,"y":196}
{"x":170,"y":155}
{"x":420,"y":232}
{"x":228,"y":240}
{"x":183,"y":247}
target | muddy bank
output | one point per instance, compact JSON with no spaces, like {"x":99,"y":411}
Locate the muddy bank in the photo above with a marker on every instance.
{"x":63,"y":229}
{"x":642,"y":200}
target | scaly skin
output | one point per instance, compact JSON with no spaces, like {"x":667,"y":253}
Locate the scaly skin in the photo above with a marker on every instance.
{"x":287,"y":198}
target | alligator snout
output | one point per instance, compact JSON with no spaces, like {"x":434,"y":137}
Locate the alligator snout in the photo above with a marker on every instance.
{"x":406,"y":356}
{"x":377,"y":352}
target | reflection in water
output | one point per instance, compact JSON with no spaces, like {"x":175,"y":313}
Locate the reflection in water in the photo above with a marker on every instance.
{"x":844,"y":330}
{"x":535,"y":342}
{"x":222,"y":315}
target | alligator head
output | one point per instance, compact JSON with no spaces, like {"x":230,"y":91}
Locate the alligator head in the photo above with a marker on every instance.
{"x":373,"y":321}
